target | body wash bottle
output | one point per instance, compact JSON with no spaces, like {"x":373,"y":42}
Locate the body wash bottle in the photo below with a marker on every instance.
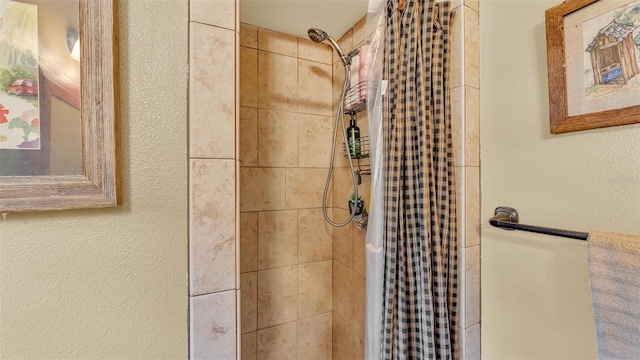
{"x":353,"y":136}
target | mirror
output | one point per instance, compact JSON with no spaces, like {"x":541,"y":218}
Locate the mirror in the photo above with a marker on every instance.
{"x":58,"y":105}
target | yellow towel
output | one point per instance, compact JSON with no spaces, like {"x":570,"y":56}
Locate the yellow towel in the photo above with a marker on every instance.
{"x":614,"y":268}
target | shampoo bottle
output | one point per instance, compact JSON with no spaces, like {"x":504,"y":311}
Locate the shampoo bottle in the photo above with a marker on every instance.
{"x":353,"y":136}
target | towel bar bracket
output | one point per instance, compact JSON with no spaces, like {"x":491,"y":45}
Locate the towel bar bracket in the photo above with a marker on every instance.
{"x":504,"y":213}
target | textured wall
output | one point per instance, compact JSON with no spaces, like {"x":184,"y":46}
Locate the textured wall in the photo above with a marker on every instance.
{"x":536,"y":300}
{"x":112,"y":283}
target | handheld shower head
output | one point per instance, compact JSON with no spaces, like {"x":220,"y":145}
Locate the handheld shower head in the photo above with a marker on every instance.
{"x":320,"y":36}
{"x":317,"y":35}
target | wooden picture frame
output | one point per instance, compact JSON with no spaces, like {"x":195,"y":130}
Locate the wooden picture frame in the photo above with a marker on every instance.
{"x":98,"y":185}
{"x":568,"y":70}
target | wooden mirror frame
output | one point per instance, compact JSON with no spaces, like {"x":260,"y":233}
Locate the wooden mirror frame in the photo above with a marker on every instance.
{"x":98,"y":186}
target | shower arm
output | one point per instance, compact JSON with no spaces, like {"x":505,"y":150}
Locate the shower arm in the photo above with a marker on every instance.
{"x":346,"y":59}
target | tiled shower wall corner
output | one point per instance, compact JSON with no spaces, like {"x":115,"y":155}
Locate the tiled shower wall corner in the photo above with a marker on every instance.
{"x":349,"y":262}
{"x":285,"y":136}
{"x":465,"y":108}
{"x":213,"y":172}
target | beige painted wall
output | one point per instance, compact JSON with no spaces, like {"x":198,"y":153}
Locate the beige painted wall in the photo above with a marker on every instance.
{"x":112,"y":283}
{"x":536,"y":300}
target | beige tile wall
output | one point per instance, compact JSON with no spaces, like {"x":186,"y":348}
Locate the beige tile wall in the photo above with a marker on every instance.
{"x":213,"y":177}
{"x":286,"y":246}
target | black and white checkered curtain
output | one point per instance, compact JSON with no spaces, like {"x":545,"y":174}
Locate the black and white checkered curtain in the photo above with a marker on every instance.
{"x":420,"y":235}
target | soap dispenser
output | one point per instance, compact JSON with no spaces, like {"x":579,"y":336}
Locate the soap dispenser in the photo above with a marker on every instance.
{"x":353,"y":136}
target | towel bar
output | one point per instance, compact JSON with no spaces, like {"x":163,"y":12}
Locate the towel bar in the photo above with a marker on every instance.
{"x":507,"y":218}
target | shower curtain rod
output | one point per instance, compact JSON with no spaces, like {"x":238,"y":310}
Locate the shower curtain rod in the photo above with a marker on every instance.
{"x":507,"y":218}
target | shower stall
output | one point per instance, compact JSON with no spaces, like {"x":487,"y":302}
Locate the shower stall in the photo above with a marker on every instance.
{"x":302,"y":280}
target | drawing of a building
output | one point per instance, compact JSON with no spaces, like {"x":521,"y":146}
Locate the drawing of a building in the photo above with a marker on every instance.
{"x":613,"y":54}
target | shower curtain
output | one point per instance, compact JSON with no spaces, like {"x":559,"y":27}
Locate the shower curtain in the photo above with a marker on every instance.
{"x":413,"y":255}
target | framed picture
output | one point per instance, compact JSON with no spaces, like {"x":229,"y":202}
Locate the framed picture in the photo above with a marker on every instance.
{"x":593,"y":58}
{"x":58,"y":105}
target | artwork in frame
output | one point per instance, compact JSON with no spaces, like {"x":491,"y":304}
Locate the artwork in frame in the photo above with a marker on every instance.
{"x":19,"y":95}
{"x":593,"y":58}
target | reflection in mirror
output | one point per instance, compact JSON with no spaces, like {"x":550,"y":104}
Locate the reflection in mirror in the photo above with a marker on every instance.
{"x":40,"y":130}
{"x":66,"y":139}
